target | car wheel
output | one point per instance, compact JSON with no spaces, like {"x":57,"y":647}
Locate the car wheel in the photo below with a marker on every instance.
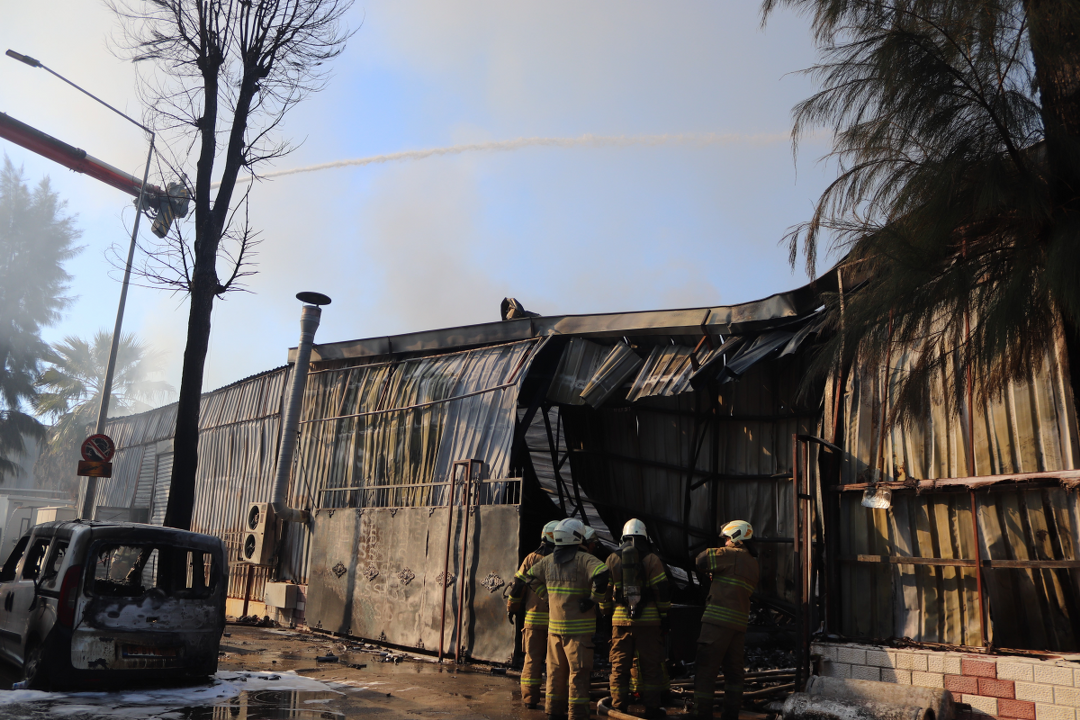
{"x":34,"y":672}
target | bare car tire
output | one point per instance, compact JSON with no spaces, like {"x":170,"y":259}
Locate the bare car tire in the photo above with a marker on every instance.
{"x":34,"y":672}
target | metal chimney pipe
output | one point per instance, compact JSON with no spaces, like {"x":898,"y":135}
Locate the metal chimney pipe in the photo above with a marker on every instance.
{"x":309,"y":323}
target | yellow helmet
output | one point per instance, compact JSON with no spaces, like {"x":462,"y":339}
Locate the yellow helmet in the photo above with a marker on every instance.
{"x":738,"y":531}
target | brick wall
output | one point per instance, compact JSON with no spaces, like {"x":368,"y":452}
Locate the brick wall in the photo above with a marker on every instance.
{"x":992,"y":685}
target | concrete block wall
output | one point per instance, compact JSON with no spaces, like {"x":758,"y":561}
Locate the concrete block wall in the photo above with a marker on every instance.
{"x":1000,"y":686}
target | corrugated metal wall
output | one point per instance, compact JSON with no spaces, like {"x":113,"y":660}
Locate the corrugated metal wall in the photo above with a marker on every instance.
{"x":1030,"y":428}
{"x":416,"y":418}
{"x":404,"y":422}
{"x":239,"y":427}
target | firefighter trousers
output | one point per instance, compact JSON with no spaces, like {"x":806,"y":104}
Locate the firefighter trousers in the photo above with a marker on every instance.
{"x":534,"y":643}
{"x":646,"y":640}
{"x":569,"y":667}
{"x":719,"y":648}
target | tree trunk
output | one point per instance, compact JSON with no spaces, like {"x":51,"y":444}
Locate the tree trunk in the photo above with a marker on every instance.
{"x":186,"y":439}
{"x":1055,"y":47}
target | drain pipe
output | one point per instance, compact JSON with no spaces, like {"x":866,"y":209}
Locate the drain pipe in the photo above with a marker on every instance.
{"x":309,"y":323}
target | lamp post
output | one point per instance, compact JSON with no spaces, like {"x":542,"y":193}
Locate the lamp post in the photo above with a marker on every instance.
{"x":106,"y":387}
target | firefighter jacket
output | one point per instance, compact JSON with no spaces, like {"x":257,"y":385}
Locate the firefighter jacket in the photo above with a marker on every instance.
{"x":580,"y":577}
{"x":734,"y":574}
{"x":536,"y":608}
{"x":653,"y":584}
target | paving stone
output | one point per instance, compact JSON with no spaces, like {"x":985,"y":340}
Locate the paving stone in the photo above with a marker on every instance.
{"x":1016,"y":709}
{"x":900,"y":677}
{"x":962,"y":684}
{"x":1016,"y":671}
{"x":880,"y":658}
{"x":851,"y":655}
{"x":978,"y":668}
{"x":983,"y":704}
{"x":1067,"y":696}
{"x":1053,"y":712}
{"x":866,"y":672}
{"x":927,"y":679}
{"x":910,"y":661}
{"x":1035,"y":693}
{"x":839,"y":670}
{"x":1053,"y":674}
{"x":997,"y":688}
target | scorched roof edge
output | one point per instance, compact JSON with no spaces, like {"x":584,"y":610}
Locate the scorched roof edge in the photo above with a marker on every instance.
{"x":757,"y":314}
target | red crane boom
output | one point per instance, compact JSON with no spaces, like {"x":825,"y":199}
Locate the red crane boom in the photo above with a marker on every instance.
{"x":75,"y":159}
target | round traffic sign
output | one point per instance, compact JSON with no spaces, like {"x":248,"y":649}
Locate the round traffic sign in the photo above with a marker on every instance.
{"x":98,"y":447}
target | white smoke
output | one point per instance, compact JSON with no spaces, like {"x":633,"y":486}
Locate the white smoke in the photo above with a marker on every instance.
{"x":597,"y":141}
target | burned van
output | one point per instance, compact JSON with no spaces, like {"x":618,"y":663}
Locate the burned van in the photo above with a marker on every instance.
{"x":94,"y":604}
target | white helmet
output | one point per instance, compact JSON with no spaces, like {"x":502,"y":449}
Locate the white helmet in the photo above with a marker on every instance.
{"x":548,"y":533}
{"x":634,"y":527}
{"x":590,"y":534}
{"x":738,"y":530}
{"x":569,"y":532}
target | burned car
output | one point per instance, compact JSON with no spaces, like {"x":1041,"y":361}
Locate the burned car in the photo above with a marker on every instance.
{"x":95,"y":604}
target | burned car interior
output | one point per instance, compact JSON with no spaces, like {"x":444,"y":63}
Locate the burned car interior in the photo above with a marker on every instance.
{"x":132,"y":570}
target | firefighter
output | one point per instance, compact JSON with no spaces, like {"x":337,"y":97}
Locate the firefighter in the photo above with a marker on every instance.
{"x":640,"y":599}
{"x":534,"y":633}
{"x":574,"y":583}
{"x":734,"y":572}
{"x":591,"y":542}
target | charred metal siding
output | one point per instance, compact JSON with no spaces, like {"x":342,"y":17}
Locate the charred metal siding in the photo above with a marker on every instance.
{"x":239,"y":428}
{"x":1030,"y":428}
{"x":689,"y":463}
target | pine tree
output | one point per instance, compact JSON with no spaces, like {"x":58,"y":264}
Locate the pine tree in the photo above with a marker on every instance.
{"x":957,"y":136}
{"x":35,"y":238}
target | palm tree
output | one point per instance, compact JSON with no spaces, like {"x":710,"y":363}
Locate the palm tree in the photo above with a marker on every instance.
{"x":957,"y":136}
{"x":35,"y":238}
{"x":69,"y":392}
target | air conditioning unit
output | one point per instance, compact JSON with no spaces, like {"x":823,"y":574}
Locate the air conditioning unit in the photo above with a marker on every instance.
{"x":260,"y":534}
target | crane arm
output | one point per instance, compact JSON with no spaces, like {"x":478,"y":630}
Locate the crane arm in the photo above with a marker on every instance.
{"x":76,"y":159}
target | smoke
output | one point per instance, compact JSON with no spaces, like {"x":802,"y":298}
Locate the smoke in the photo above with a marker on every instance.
{"x":595,"y":141}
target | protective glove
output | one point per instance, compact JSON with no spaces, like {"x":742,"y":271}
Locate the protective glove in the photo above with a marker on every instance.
{"x":511,"y":615}
{"x":585,"y":605}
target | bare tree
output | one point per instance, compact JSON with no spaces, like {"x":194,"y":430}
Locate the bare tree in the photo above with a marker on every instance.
{"x":219,"y":76}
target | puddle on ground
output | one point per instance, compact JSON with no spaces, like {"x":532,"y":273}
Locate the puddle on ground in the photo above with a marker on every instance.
{"x":231,"y":695}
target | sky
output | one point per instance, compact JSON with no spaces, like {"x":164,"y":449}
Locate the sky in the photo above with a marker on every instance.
{"x":681,"y":199}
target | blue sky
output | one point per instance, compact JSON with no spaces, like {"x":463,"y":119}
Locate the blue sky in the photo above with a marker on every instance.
{"x":438,"y":242}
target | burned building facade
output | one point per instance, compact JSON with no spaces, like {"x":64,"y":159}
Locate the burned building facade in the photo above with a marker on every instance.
{"x":429,"y":462}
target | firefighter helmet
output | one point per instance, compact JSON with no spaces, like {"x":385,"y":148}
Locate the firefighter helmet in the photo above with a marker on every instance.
{"x":548,"y":533}
{"x":569,"y":532}
{"x":590,"y":534}
{"x":738,"y":531}
{"x":634,"y":527}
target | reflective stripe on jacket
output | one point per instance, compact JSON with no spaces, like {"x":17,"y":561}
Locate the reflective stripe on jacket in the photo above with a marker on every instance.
{"x":656,"y":591}
{"x":734,"y":574}
{"x":536,"y":608}
{"x":564,"y":586}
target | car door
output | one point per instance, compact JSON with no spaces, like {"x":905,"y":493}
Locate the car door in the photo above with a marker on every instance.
{"x":20,"y":595}
{"x":7,"y":585}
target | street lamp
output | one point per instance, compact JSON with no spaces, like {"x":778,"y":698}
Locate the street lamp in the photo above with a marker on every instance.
{"x":106,"y":389}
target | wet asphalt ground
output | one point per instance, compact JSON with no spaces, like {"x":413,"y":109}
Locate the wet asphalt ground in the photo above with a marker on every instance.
{"x":270,"y":674}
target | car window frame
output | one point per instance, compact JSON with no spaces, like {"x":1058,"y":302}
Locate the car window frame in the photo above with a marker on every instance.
{"x":10,"y":570}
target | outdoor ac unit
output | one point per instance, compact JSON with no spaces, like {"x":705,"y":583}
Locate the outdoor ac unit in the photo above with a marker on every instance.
{"x":260,"y":531}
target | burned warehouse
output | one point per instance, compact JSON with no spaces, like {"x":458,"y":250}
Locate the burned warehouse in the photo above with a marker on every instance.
{"x":426,"y":464}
